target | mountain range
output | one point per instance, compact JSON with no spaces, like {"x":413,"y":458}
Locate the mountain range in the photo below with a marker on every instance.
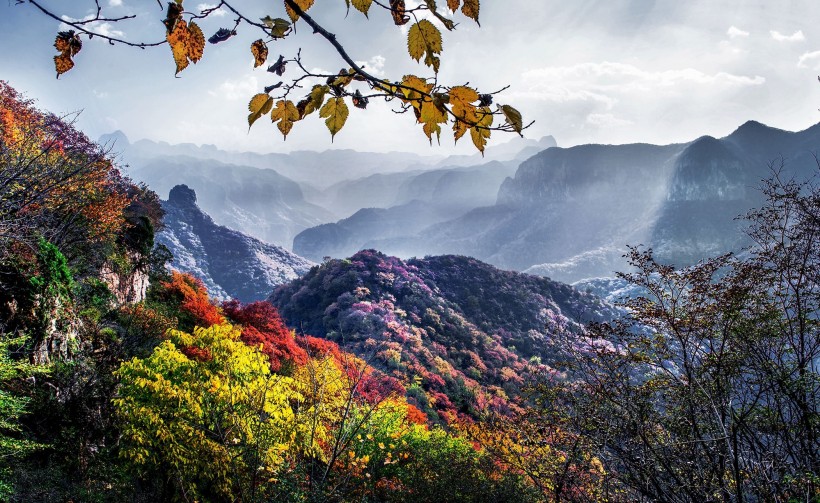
{"x":273,"y":197}
{"x":566,"y":213}
{"x":569,"y":213}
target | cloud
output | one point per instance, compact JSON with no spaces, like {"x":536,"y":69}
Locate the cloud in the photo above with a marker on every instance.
{"x":593,"y":80}
{"x":115,"y":3}
{"x":794,"y":37}
{"x":607,"y":121}
{"x":809,"y":60}
{"x":735,"y":32}
{"x":218,"y":13}
{"x":236,"y":89}
{"x":99,"y":27}
{"x":562,"y":94}
{"x":375,"y":66}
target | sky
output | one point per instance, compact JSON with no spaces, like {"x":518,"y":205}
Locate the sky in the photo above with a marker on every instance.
{"x":586,"y":71}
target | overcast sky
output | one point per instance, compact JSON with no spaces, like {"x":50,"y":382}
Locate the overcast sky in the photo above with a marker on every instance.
{"x":587,"y":71}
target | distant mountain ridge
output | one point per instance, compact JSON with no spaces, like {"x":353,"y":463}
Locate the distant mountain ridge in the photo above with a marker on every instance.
{"x":420,"y":201}
{"x":231,"y":264}
{"x":569,"y":213}
{"x":273,"y":197}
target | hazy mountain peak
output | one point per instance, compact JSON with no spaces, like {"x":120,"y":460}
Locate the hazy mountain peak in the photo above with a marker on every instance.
{"x":230,"y":263}
{"x":756,"y":131}
{"x":182,"y":195}
{"x":117,"y":140}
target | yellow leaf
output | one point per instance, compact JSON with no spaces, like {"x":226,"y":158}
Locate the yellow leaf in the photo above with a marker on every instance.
{"x":470,"y":9}
{"x":317,"y":96}
{"x":362,"y":6}
{"x":433,"y":61}
{"x":430,"y":128}
{"x":303,"y":4}
{"x":414,"y":89}
{"x":279,"y":27}
{"x":453,"y":4}
{"x":513,"y":117}
{"x":259,"y":105}
{"x":63,"y":63}
{"x":286,"y":113}
{"x":424,"y":38}
{"x":459,"y":128}
{"x":336,"y":112}
{"x":260,"y":52}
{"x":432,"y":114}
{"x":178,"y":40}
{"x":479,"y":132}
{"x":345,"y":77}
{"x":461,"y":99}
{"x":195,"y":42}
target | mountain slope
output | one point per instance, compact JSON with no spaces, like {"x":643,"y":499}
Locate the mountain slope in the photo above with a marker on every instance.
{"x":258,"y":202}
{"x":568,"y":213}
{"x":463,"y":330}
{"x":421,"y":200}
{"x":231,"y":264}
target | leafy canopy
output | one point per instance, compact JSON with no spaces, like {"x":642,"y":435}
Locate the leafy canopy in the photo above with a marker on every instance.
{"x":434,"y":105}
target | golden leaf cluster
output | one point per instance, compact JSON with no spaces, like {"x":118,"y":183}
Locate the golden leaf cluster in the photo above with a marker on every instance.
{"x":68,"y":44}
{"x":187,"y":43}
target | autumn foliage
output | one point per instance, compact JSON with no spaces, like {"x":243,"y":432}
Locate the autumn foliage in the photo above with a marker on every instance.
{"x":262,"y":327}
{"x":433,"y":105}
{"x":193,"y":300}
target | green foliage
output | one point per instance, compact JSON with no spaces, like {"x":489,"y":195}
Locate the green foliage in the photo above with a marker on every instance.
{"x":95,"y":297}
{"x":14,"y":444}
{"x":53,"y":279}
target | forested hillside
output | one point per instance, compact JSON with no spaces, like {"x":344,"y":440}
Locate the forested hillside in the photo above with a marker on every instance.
{"x":425,"y":380}
{"x":122,"y":381}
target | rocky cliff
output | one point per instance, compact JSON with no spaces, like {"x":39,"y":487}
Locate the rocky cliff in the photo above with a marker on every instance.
{"x":230,"y":263}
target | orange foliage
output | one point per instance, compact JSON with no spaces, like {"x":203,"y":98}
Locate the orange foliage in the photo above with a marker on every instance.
{"x":194,"y":299}
{"x":56,"y":173}
{"x":415,"y":415}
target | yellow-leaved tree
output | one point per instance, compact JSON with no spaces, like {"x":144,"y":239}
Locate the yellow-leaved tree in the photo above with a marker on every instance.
{"x":434,"y":105}
{"x":205,"y":412}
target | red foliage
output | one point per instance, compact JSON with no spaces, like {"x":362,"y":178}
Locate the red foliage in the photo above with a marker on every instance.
{"x":195,"y":300}
{"x":195,"y":353}
{"x":261,"y":324}
{"x":375,"y":387}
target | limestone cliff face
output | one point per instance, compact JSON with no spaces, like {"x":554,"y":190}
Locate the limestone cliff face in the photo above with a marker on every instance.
{"x":230,"y":263}
{"x":61,"y":335}
{"x":127,"y":287}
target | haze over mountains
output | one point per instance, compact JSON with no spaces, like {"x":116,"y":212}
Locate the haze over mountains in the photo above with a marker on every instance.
{"x":566,"y":213}
{"x":273,"y":197}
{"x":569,"y":213}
